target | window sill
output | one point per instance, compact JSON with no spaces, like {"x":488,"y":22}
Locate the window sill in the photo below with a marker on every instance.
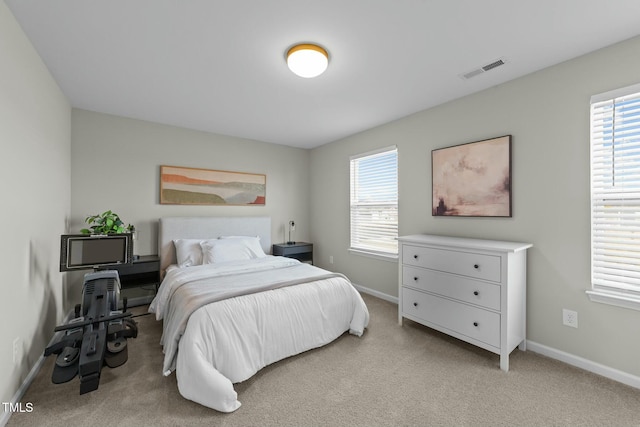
{"x":615,"y":298}
{"x":375,"y":255}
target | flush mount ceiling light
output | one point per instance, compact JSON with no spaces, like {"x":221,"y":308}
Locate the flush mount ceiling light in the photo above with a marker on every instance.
{"x":307,"y":60}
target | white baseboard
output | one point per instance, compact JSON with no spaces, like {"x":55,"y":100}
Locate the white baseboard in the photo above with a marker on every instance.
{"x":136,"y":301}
{"x":375,"y":293}
{"x":22,"y":390}
{"x":17,"y":397}
{"x":587,"y":365}
{"x":4,"y":418}
{"x":570,"y":359}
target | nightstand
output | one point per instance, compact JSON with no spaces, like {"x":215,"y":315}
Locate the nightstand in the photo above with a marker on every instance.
{"x":301,"y":251}
{"x":145,"y":270}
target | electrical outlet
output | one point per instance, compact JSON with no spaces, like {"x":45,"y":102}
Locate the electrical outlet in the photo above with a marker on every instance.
{"x":570,"y":318}
{"x":17,"y":350}
{"x":330,"y":259}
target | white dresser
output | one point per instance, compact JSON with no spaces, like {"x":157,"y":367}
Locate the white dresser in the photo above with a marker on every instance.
{"x":471,"y":289}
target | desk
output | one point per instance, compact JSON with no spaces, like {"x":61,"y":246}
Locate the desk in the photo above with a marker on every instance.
{"x":145,"y":270}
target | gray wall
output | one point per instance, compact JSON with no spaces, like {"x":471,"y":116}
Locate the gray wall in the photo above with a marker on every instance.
{"x":35,"y":173}
{"x":115,"y":164}
{"x":63,"y":165}
{"x":548,"y":115}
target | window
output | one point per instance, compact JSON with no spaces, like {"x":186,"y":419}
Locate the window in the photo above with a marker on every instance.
{"x":374,"y":202}
{"x":615,"y":197}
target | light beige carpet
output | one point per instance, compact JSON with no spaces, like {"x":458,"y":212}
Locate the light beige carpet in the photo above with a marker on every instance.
{"x":392,"y":376}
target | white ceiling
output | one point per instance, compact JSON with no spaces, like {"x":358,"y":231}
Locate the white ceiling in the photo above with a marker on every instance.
{"x":219,"y":65}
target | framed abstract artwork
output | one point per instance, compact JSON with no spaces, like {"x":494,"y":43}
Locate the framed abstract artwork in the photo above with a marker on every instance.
{"x":192,"y":186}
{"x":472,"y":179}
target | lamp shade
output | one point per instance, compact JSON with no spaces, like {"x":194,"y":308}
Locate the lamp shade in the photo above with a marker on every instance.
{"x":307,"y":60}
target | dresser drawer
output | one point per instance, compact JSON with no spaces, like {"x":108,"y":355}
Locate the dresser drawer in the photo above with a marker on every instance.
{"x":473,"y":322}
{"x":453,"y":286}
{"x":479,"y":266}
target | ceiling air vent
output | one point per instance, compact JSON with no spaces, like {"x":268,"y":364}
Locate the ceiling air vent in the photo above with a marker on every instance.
{"x":484,"y":68}
{"x":493,"y":65}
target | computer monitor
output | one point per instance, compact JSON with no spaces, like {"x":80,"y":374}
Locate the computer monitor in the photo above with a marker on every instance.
{"x":84,"y":251}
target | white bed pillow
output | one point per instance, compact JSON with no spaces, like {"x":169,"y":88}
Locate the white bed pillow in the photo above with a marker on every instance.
{"x":188,"y":252}
{"x":252,"y":241}
{"x":231,"y":248}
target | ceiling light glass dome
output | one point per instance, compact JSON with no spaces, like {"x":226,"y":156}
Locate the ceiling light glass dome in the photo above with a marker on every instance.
{"x":307,"y":60}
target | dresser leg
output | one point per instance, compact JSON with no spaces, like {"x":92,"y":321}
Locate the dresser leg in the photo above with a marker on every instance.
{"x":504,"y":362}
{"x":523,"y":345}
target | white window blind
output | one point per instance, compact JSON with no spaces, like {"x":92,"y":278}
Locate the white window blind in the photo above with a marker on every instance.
{"x":374,"y":202}
{"x":615,"y":196}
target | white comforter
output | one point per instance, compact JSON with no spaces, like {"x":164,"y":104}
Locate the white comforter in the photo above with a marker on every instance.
{"x":215,"y":337}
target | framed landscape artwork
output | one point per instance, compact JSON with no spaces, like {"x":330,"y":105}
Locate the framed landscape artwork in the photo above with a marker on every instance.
{"x":192,"y":186}
{"x":472,"y":179}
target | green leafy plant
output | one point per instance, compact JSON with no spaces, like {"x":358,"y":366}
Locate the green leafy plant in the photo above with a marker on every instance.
{"x":106,"y":223}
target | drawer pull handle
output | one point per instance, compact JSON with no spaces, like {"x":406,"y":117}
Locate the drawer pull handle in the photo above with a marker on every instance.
{"x":475,"y":324}
{"x":415,"y":278}
{"x":476,"y":266}
{"x":415,"y":304}
{"x":476,"y":293}
{"x":415,"y":257}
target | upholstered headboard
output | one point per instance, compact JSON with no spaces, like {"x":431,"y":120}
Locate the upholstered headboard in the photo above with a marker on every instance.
{"x":171,"y":228}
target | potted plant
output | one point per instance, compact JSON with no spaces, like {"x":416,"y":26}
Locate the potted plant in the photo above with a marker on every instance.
{"x":106,"y":223}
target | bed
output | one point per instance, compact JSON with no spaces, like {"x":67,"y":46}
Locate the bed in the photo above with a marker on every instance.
{"x":229,"y":309}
